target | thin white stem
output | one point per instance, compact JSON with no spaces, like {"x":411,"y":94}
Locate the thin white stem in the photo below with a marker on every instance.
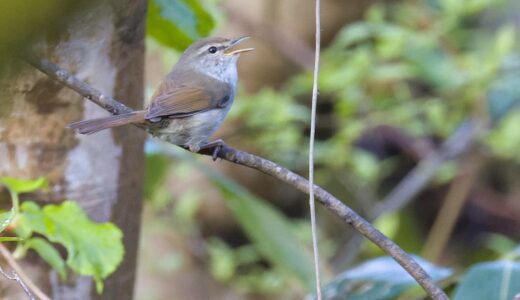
{"x":24,"y":280}
{"x":17,"y":278}
{"x":311,"y":153}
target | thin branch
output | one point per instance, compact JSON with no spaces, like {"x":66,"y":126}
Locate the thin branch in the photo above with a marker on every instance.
{"x":106,"y":102}
{"x":451,"y":208}
{"x":311,"y":153}
{"x":268,"y":167}
{"x":19,"y":275}
{"x":16,"y":278}
{"x":459,"y":142}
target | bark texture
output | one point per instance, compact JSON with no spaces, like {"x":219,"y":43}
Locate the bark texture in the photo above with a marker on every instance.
{"x":103,"y":173}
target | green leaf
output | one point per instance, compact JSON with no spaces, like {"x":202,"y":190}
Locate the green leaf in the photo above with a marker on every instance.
{"x":92,"y":249}
{"x":378,"y":279}
{"x":499,"y":280}
{"x":15,"y":187}
{"x":5,"y":219}
{"x":49,"y":254}
{"x":223,"y":263}
{"x":177,"y":23}
{"x":269,"y":230}
{"x":24,"y":185}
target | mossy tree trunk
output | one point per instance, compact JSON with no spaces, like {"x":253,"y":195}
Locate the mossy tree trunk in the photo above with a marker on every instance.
{"x":104,"y":45}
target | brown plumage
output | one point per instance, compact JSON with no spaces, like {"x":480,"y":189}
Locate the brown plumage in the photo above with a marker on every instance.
{"x":95,"y":125}
{"x":191,"y":102}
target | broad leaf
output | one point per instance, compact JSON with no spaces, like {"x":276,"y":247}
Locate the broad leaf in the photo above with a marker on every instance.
{"x":49,"y":254}
{"x":92,"y":249}
{"x":177,"y":23}
{"x":498,"y":280}
{"x":378,"y":279}
{"x":23,"y":185}
{"x":269,"y":230}
{"x":15,"y":187}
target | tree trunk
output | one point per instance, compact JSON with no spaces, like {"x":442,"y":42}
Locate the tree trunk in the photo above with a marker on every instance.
{"x":103,"y":172}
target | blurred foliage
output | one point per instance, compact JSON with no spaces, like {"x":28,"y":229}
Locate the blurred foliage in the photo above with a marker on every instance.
{"x":15,"y":187}
{"x":271,"y":233}
{"x":274,"y":238}
{"x":490,"y":280}
{"x":420,"y":67}
{"x":23,"y":21}
{"x":178,"y":23}
{"x":92,"y":249}
{"x":380,"y":278}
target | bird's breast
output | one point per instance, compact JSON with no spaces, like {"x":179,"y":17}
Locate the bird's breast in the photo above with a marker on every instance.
{"x":192,"y":130}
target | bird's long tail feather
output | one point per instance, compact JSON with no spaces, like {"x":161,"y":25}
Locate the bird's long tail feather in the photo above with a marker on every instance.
{"x":95,"y":125}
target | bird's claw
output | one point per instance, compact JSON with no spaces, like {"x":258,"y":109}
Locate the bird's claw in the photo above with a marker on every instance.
{"x":216,"y":151}
{"x":217,"y":147}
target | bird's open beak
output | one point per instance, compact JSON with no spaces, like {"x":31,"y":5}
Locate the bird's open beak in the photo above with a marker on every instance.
{"x":230,"y":51}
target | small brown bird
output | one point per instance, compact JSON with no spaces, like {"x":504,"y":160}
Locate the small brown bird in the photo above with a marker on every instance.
{"x":191,"y":102}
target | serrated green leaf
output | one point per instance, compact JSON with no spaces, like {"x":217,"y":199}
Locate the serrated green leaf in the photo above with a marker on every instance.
{"x":498,"y":280}
{"x":178,"y":23}
{"x":92,"y":249}
{"x":24,"y":185}
{"x":49,"y":254}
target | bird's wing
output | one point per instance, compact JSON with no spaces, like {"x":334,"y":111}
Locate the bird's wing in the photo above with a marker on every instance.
{"x":185,"y":100}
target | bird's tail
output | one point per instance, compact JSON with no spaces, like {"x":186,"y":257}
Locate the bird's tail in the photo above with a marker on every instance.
{"x":95,"y":125}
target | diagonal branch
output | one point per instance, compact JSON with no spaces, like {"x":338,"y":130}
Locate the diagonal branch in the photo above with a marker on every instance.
{"x":268,"y":167}
{"x":459,"y":142}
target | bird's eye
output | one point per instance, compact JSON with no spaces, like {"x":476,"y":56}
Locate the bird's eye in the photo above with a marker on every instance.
{"x":212,"y":49}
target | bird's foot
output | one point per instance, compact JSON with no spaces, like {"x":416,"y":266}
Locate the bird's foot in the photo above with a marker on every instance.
{"x":216,"y":145}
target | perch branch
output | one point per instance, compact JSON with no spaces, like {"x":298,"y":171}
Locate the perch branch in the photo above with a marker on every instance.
{"x":268,"y":167}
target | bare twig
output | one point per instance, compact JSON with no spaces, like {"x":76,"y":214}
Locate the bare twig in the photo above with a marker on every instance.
{"x":417,"y":179}
{"x":16,"y":278}
{"x":311,"y":153}
{"x":19,"y":275}
{"x":458,"y":143}
{"x":451,"y":208}
{"x":268,"y":167}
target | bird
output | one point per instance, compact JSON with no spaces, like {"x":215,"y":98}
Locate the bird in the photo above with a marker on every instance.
{"x":192,"y":100}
